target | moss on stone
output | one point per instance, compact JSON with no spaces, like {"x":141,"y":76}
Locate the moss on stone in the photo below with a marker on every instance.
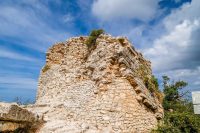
{"x":45,"y":68}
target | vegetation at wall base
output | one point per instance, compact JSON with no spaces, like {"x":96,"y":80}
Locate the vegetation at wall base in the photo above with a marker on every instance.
{"x":180,"y":122}
{"x":179,"y":116}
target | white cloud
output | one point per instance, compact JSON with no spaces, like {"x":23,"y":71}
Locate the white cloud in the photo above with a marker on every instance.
{"x":28,"y":25}
{"x":177,"y":1}
{"x":189,"y":11}
{"x":68,"y":18}
{"x":169,"y":50}
{"x":179,"y":44}
{"x":17,"y":56}
{"x":197,"y":83}
{"x":176,"y":52}
{"x":189,"y":75}
{"x":131,"y":9}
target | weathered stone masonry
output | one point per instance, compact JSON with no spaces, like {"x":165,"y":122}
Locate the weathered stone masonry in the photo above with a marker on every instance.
{"x":95,"y":91}
{"x":100,"y":87}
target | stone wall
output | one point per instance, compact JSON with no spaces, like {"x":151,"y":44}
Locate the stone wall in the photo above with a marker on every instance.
{"x":98,"y":90}
{"x":89,"y":91}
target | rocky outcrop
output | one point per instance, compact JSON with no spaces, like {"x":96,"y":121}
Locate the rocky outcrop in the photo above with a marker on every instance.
{"x":96,"y":91}
{"x":14,"y":118}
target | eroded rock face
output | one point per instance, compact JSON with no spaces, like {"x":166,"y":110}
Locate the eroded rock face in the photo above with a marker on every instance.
{"x":98,"y":91}
{"x":14,"y":118}
{"x":93,"y":91}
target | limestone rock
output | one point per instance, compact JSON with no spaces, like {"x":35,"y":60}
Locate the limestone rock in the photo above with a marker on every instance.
{"x":15,"y":118}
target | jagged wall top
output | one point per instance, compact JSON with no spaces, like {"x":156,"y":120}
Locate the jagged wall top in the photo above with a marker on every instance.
{"x":57,"y":53}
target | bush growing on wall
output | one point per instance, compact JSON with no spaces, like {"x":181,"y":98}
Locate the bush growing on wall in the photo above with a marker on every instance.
{"x":91,"y":41}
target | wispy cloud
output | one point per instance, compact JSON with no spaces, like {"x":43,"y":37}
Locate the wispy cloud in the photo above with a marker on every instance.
{"x":17,"y":56}
{"x":17,"y":82}
{"x":127,"y":9}
{"x":176,"y":52}
{"x":172,"y":51}
{"x":30,"y":22}
{"x":26,"y":25}
{"x":189,"y":75}
{"x":68,"y":18}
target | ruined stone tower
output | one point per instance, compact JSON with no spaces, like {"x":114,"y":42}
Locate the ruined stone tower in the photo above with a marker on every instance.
{"x":96,"y":91}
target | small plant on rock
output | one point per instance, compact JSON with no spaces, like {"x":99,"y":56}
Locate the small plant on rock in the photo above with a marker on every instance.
{"x":91,"y":41}
{"x":153,"y":86}
{"x":45,"y":68}
{"x":121,"y":40}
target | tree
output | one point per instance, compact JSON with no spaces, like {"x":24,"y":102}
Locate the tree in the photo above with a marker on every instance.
{"x":179,"y":116}
{"x":172,"y":92}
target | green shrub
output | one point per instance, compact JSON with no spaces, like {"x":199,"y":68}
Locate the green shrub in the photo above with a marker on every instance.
{"x":151,"y":83}
{"x":154,"y":81}
{"x":121,"y":40}
{"x":166,"y":129}
{"x":153,"y":86}
{"x":91,"y":41}
{"x":96,"y":32}
{"x":180,"y":122}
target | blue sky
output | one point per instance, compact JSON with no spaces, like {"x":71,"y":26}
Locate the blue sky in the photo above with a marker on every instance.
{"x":165,"y":31}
